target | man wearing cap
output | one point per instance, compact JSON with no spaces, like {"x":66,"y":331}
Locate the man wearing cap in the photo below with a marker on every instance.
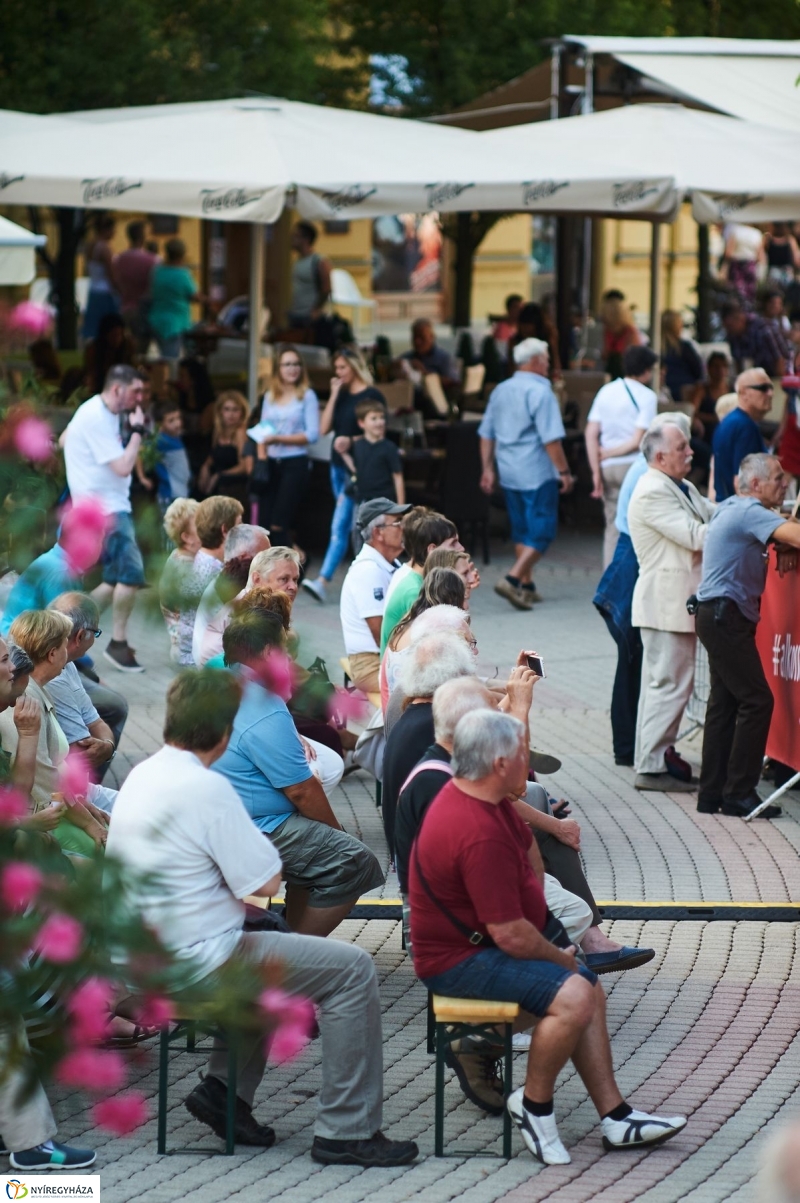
{"x":365,"y":587}
{"x":520,"y":436}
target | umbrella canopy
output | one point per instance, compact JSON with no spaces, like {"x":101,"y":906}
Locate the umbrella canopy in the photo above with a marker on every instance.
{"x":731,"y":169}
{"x":244,"y":160}
{"x":17,"y":253}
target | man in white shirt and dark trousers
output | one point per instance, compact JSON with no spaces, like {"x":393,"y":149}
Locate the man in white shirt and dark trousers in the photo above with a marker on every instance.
{"x":620,"y":414}
{"x":364,"y":591}
{"x":185,"y":833}
{"x":99,"y":466}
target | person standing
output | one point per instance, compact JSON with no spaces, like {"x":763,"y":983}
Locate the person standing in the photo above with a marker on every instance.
{"x":99,"y":466}
{"x":172,"y":291}
{"x":668,"y":522}
{"x":621,"y":413}
{"x":739,"y":433}
{"x":729,"y":598}
{"x":752,"y":340}
{"x":311,"y":277}
{"x":132,"y":269}
{"x":99,"y":258}
{"x":520,"y":438}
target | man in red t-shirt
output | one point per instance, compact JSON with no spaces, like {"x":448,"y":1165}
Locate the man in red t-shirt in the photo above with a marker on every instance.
{"x":477,"y":920}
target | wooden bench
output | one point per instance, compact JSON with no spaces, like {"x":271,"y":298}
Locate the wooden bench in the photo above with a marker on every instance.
{"x":453,"y":1019}
{"x":189,"y":1025}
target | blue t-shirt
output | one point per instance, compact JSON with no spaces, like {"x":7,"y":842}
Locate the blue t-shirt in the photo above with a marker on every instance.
{"x":632,"y":478}
{"x":736,"y":436}
{"x":264,"y":756}
{"x":42,"y":581}
{"x":521,"y":417}
{"x":734,"y":564}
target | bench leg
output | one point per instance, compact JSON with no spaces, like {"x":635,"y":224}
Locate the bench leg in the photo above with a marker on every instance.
{"x":163,"y":1066}
{"x":508,"y":1083}
{"x":230,"y":1115}
{"x":191,"y":1036}
{"x":438,"y":1139}
{"x":378,"y":793}
{"x":431,"y":1027}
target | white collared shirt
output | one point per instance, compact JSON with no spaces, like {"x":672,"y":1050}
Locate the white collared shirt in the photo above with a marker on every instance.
{"x":363,"y":596}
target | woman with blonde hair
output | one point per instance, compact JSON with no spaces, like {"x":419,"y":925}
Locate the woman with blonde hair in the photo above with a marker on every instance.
{"x":351,"y":384}
{"x":179,"y":590}
{"x":290,"y":415}
{"x":228,"y":467}
{"x":619,"y":332}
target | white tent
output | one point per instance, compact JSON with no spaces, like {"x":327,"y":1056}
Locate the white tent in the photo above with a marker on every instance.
{"x":17,"y":253}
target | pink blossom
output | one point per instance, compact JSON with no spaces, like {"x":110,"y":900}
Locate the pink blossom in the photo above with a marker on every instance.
{"x":33,"y":439}
{"x":19,"y":884}
{"x":123,"y":1114}
{"x":92,"y":1069}
{"x":276,"y":671}
{"x":346,"y":704}
{"x":89,"y":1008}
{"x":83,"y":528}
{"x":294,"y":1016}
{"x":155,"y":1012}
{"x":59,"y":939}
{"x":13,"y":807}
{"x":286,"y":1044}
{"x":74,"y":776}
{"x":31,"y":319}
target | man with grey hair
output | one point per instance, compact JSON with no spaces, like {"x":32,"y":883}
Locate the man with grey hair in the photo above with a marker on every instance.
{"x":520,"y":440}
{"x":363,"y":597}
{"x":92,"y":722}
{"x":728,"y":604}
{"x":482,"y":933}
{"x":668,"y":522}
{"x":241,"y":544}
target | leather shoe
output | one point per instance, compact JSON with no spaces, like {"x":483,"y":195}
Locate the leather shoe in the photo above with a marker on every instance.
{"x":377,"y":1151}
{"x":741,"y":809}
{"x":709,"y":808}
{"x":663,"y":783}
{"x":677,"y":766}
{"x":619,"y":959}
{"x":208,"y":1103}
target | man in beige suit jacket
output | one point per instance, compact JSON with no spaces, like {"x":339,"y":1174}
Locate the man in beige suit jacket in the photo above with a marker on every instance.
{"x":668,"y":523}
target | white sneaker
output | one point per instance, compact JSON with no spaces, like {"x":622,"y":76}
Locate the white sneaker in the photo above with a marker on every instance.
{"x":315,"y":588}
{"x":640,"y":1129}
{"x":538,"y":1131}
{"x":521,"y":1042}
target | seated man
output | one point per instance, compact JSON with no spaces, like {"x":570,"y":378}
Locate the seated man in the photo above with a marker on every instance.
{"x":477,"y":933}
{"x":275,"y":568}
{"x":325,"y":869}
{"x":184,"y":831}
{"x":427,"y":358}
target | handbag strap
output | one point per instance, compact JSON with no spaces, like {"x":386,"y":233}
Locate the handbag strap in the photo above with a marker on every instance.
{"x":630,"y":394}
{"x":476,"y":938}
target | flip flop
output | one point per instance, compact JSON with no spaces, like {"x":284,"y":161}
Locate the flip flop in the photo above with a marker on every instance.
{"x":138,"y":1034}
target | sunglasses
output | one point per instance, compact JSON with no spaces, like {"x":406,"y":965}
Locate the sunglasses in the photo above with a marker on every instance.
{"x":761,"y":388}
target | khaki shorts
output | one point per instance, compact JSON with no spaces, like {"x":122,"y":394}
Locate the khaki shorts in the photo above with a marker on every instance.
{"x":365,"y":670}
{"x":333,"y":866}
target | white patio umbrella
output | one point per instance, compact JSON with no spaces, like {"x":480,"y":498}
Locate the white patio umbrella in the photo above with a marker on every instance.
{"x":17,"y":253}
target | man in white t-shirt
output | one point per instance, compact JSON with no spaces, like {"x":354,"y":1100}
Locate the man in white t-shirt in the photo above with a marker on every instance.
{"x":620,"y":414}
{"x":184,"y":832}
{"x":99,"y":466}
{"x":366,"y":585}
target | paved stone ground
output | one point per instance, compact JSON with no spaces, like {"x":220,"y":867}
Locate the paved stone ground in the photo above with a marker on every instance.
{"x":709,"y":1028}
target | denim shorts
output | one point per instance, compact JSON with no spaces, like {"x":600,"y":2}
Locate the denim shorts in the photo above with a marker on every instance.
{"x":122,"y":560}
{"x":494,"y":975}
{"x":533,"y":514}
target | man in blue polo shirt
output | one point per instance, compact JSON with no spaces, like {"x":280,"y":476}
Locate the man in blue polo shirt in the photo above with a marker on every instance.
{"x":739,"y":434}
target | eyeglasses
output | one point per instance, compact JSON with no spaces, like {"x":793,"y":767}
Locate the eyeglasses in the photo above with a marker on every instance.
{"x":291,"y":363}
{"x":384,"y":525}
{"x":761,"y":388}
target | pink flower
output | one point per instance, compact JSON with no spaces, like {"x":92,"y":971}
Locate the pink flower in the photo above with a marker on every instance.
{"x":155,"y":1012}
{"x":92,"y":1069}
{"x":294,"y":1016}
{"x":122,"y":1114}
{"x":59,"y":939}
{"x":89,"y":1008}
{"x":347,"y":703}
{"x":74,"y":776}
{"x":19,"y":885}
{"x":33,"y":439}
{"x":13,"y":807}
{"x":276,"y":672}
{"x":83,"y":528}
{"x":31,"y":319}
{"x":286,"y":1044}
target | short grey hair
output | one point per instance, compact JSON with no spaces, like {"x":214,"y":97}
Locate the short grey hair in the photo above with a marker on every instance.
{"x":452,"y":701}
{"x":369,"y":530}
{"x":80,"y":608}
{"x":438,"y":618}
{"x":243,"y":539}
{"x":655,"y":440}
{"x":754,"y":467}
{"x":264,"y":561}
{"x":431,"y":662}
{"x":530,"y":348}
{"x":482,"y":738}
{"x":672,"y":418}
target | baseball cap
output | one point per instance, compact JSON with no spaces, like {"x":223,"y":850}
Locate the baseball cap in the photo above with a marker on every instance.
{"x":368,"y":511}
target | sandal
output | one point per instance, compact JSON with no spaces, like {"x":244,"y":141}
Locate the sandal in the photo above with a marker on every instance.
{"x":135,"y":1037}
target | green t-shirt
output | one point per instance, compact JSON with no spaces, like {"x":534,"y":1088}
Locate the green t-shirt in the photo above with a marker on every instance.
{"x":400,"y":602}
{"x":171,"y":290}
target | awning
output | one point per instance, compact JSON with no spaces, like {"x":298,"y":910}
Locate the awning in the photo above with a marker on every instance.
{"x":17,"y":253}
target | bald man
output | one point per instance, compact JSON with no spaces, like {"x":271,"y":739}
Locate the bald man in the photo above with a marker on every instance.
{"x":739,"y":434}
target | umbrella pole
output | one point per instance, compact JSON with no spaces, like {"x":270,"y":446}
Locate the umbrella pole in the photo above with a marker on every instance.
{"x":256,"y":310}
{"x":655,"y":288}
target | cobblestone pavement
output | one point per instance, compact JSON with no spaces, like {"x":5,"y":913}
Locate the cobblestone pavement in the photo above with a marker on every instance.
{"x":709,"y":1028}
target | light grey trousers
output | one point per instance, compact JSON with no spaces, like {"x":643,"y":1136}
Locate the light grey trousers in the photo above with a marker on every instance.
{"x":340,"y":980}
{"x":667,"y":680}
{"x":25,"y":1119}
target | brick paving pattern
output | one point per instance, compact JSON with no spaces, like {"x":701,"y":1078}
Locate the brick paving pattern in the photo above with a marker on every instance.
{"x":709,"y":1028}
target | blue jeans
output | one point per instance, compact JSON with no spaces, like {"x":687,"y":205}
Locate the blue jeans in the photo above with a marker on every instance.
{"x":341,"y":523}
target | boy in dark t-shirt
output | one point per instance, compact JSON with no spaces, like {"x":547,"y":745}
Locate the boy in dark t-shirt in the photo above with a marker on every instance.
{"x":374,"y":460}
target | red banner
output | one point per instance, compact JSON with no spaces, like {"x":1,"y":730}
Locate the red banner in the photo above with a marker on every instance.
{"x":778,"y":639}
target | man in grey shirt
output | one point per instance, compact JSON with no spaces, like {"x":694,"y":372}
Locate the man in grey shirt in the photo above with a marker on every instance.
{"x":729,"y":599}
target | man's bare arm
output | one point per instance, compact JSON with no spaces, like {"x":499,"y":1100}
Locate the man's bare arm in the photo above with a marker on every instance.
{"x":310,"y":800}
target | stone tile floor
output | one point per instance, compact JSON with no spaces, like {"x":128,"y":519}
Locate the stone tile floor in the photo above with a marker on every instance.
{"x":709,"y":1028}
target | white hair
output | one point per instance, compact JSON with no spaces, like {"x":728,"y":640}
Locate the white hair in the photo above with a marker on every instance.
{"x":243,"y":539}
{"x":438,"y":618}
{"x":655,"y":440}
{"x":452,"y":701}
{"x":530,"y":348}
{"x":264,"y":561}
{"x":673,"y":418}
{"x":754,"y":467}
{"x":481,"y":738}
{"x":431,"y":662}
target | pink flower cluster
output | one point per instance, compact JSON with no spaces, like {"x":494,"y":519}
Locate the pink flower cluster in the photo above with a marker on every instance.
{"x":294,"y":1017}
{"x":123,"y":1114}
{"x":74,"y":776}
{"x":346,"y":704}
{"x":97,"y":1069}
{"x":33,"y":439}
{"x":59,"y":939}
{"x":30,"y":319}
{"x":20,"y":883}
{"x":89,"y":1010}
{"x":84,"y":526}
{"x":13,"y":806}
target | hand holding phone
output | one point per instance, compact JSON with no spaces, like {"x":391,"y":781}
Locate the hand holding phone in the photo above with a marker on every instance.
{"x":535,"y":663}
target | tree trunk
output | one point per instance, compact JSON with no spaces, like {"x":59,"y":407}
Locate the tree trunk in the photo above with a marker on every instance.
{"x":465,"y":254}
{"x":70,"y":231}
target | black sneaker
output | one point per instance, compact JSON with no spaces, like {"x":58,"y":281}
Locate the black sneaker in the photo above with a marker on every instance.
{"x":208,"y":1103}
{"x":377,"y":1151}
{"x":53,"y":1156}
{"x":121,"y":656}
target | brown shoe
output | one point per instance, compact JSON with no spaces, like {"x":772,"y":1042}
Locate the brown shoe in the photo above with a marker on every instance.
{"x":521,"y":599}
{"x":478,"y":1075}
{"x":121,"y":656}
